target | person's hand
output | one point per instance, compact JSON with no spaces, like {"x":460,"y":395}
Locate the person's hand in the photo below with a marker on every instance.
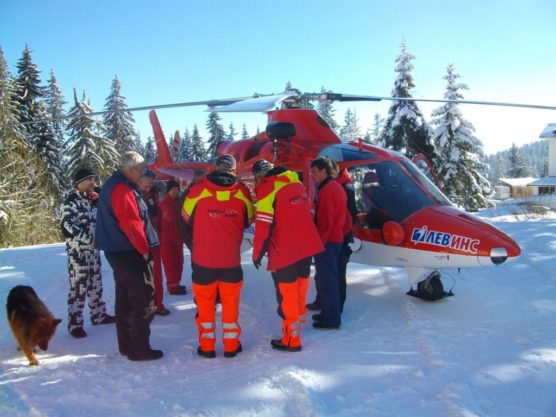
{"x":146,"y":256}
{"x":257,"y":263}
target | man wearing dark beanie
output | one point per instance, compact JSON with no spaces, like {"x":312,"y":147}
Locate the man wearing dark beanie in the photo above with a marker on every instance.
{"x":78,"y":227}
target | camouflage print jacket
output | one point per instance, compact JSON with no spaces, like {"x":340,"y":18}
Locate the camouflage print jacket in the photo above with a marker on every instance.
{"x":79,"y":214}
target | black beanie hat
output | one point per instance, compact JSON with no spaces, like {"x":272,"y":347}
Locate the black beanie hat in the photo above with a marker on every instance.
{"x":261,"y":166}
{"x":225,"y":163}
{"x":171,"y":184}
{"x":82,"y":174}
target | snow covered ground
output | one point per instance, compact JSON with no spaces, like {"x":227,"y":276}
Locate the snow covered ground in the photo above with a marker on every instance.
{"x":488,"y":351}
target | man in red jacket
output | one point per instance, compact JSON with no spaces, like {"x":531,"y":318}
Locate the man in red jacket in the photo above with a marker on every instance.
{"x":171,"y":242}
{"x":219,"y":208}
{"x":333,"y":223}
{"x":285,"y":229}
{"x":125,"y":233}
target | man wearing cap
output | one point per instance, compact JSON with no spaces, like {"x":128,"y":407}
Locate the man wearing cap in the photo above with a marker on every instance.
{"x":219,"y":208}
{"x":284,"y":228}
{"x":79,"y":211}
{"x":125,"y":233}
{"x":171,"y":242}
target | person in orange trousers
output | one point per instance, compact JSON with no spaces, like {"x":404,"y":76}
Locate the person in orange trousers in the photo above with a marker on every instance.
{"x":218,"y":208}
{"x":285,"y":229}
{"x":149,"y":193}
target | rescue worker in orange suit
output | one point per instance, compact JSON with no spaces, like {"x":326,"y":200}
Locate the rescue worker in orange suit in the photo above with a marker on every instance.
{"x":333,"y":223}
{"x":171,"y":242}
{"x":150,"y":195}
{"x":218,"y":208}
{"x":284,"y":228}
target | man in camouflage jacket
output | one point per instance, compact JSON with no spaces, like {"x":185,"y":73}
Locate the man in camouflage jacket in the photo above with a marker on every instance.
{"x":85,"y":280}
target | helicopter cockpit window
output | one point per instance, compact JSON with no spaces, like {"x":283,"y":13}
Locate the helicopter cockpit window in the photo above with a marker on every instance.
{"x":426,"y":183}
{"x":385,"y":192}
{"x":343,"y":152}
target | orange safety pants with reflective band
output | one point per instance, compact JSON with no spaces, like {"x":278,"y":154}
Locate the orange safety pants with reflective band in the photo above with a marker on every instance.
{"x":205,"y":298}
{"x":292,"y":300}
{"x":229,"y":298}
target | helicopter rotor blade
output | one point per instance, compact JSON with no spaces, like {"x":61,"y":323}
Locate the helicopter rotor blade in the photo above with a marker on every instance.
{"x":352,"y":97}
{"x":253,"y":104}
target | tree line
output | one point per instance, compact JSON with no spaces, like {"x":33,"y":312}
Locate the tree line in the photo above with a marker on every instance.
{"x":42,"y":145}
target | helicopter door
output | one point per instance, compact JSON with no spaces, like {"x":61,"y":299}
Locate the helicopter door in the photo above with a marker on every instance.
{"x":383,"y":191}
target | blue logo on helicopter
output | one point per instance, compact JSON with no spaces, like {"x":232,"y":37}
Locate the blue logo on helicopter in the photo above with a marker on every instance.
{"x":447,"y":240}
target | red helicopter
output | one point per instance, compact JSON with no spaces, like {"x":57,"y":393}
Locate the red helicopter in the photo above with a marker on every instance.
{"x":404,"y":219}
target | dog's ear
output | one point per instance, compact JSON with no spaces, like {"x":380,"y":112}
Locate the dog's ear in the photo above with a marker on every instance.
{"x":56,"y":322}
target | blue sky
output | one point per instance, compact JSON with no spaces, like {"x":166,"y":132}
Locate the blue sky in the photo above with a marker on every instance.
{"x":175,"y":51}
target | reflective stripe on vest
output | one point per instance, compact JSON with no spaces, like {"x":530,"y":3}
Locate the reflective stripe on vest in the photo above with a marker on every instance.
{"x":266,"y":204}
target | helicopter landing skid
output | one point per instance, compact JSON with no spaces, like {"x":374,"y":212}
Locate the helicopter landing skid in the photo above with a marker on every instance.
{"x":430,"y":289}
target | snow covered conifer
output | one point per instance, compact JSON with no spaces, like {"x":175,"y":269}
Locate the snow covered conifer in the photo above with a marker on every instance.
{"x":376,"y":129}
{"x":244,"y":132}
{"x":150,"y":150}
{"x":216,"y":133}
{"x":84,"y":145}
{"x":405,"y":128}
{"x":49,"y":150}
{"x":185,"y":153}
{"x":232,"y":134}
{"x":118,"y":121}
{"x":326,"y":110}
{"x":55,"y":103}
{"x":350,"y":131}
{"x":26,"y":208}
{"x":199,"y":152}
{"x":28,"y":91}
{"x":457,"y":162}
{"x":517,"y":167}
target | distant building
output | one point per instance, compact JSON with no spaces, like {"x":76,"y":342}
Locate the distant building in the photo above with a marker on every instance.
{"x":515,"y":188}
{"x":547,"y":185}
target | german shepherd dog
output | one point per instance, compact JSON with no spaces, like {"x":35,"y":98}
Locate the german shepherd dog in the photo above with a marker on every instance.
{"x":30,"y":320}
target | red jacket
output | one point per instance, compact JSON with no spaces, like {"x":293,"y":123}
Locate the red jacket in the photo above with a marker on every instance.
{"x":332,"y":216}
{"x":219,"y":208}
{"x":284,"y":226}
{"x":124,"y":204}
{"x":168,"y":222}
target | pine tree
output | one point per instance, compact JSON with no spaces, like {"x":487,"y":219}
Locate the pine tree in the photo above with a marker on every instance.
{"x":498,"y":170}
{"x":85,"y":147}
{"x":119,"y":121}
{"x":55,"y":103}
{"x":28,"y":91}
{"x":350,"y":131}
{"x":26,"y":208}
{"x":244,"y":133}
{"x":232,"y":134}
{"x":405,"y":128}
{"x":517,"y":167}
{"x":199,"y":152}
{"x":378,"y":125}
{"x":186,"y":148}
{"x":138,"y":145}
{"x":216,"y":133}
{"x":457,"y":161}
{"x":325,"y":109}
{"x":150,"y":151}
{"x":48,"y":149}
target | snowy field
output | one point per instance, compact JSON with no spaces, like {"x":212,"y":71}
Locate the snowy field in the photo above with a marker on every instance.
{"x":488,"y":351}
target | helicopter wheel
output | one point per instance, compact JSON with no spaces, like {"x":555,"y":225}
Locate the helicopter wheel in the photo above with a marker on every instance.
{"x":431,"y":289}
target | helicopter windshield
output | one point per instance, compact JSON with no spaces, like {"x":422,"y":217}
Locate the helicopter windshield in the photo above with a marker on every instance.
{"x":426,"y":183}
{"x":385,"y":192}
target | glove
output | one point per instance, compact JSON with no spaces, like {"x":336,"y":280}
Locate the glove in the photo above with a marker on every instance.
{"x":257,"y":263}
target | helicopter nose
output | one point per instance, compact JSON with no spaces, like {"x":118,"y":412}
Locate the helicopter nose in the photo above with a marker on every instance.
{"x":498,"y":255}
